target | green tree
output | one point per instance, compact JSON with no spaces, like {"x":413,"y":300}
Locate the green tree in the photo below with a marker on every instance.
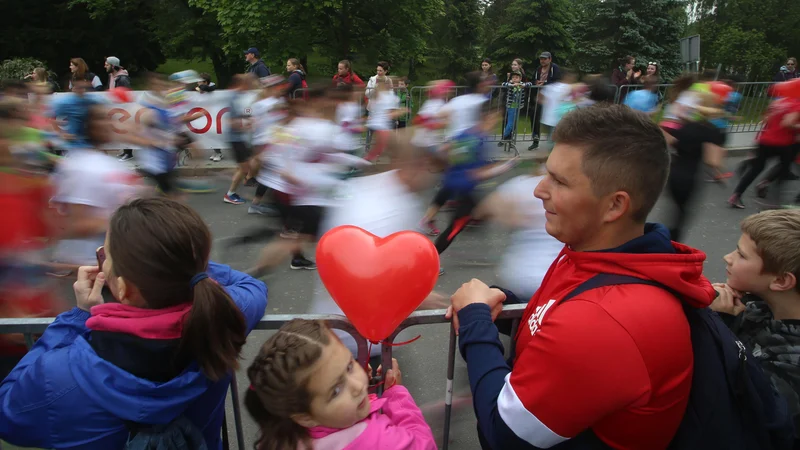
{"x":649,"y":30}
{"x":54,"y":31}
{"x":457,"y":38}
{"x":333,"y":29}
{"x":525,"y":28}
{"x":749,"y":37}
{"x":181,"y":30}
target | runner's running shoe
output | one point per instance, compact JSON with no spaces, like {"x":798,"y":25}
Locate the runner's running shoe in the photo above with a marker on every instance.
{"x":233,"y":199}
{"x":302,"y":263}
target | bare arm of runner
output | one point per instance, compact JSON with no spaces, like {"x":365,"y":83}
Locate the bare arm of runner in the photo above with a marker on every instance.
{"x":500,"y":208}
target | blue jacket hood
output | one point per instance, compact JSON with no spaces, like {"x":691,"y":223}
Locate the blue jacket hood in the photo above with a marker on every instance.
{"x":129,"y":397}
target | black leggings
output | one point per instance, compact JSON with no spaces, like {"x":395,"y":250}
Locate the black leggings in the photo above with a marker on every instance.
{"x":681,"y":185}
{"x":461,"y":217}
{"x":764,"y":153}
{"x":775,"y":171}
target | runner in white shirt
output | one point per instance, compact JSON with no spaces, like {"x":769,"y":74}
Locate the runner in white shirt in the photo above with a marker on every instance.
{"x":301,"y":180}
{"x":463,"y":113}
{"x":90,"y":186}
{"x":348,"y":117}
{"x":531,"y":250}
{"x":268,"y":113}
{"x":384,"y":111}
{"x":429,"y":125}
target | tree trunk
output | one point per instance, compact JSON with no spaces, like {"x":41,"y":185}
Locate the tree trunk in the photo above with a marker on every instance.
{"x":223,"y":68}
{"x":412,"y":69}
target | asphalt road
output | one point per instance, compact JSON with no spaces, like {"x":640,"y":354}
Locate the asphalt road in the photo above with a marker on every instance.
{"x":713,"y":229}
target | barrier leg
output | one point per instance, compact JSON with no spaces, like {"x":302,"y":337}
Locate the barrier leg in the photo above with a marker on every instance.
{"x":512,"y":345}
{"x":386,"y":361}
{"x":448,"y":395}
{"x":237,"y":413}
{"x":226,"y":445}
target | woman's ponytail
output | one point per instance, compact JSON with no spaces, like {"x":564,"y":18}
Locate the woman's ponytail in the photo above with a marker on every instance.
{"x":214,"y":331}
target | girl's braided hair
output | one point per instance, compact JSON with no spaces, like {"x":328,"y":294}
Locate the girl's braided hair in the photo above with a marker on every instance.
{"x":278,"y":383}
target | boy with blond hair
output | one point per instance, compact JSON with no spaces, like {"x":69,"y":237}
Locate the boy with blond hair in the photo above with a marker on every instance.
{"x":760,"y":301}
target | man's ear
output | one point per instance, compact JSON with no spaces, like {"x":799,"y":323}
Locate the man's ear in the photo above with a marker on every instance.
{"x":619,"y":203}
{"x":783,"y":282}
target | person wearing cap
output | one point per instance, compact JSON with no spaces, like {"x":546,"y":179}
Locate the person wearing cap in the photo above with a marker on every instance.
{"x":117,"y":76}
{"x":257,"y":66}
{"x":545,"y":74}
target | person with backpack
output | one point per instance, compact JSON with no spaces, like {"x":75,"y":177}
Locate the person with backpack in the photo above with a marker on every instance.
{"x":80,"y":72}
{"x":760,"y":300}
{"x":149,"y":368}
{"x":610,"y":352}
{"x":297,"y":77}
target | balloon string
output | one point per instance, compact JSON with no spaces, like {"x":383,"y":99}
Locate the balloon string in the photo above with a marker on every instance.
{"x":398,"y":344}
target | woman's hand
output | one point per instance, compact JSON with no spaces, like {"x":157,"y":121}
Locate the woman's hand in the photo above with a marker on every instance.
{"x":89,"y":287}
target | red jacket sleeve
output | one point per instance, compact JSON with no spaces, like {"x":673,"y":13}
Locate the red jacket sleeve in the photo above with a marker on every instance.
{"x":580,"y":366}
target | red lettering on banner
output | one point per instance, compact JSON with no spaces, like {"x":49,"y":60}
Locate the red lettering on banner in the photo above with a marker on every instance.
{"x":205,"y":127}
{"x":124,"y":115}
{"x":137,"y":118}
{"x":219,"y":119}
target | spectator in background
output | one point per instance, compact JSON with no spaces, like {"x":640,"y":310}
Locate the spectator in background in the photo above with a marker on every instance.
{"x":381,"y":75}
{"x":625,"y":74}
{"x":515,"y":99}
{"x":80,"y":72}
{"x":205,"y":85}
{"x":516,"y":66}
{"x":545,"y":74}
{"x":652,"y":69}
{"x":345,"y":74}
{"x":117,"y":76}
{"x":487,"y":73}
{"x":406,"y":102}
{"x":257,"y":66}
{"x":787,"y":72}
{"x":297,"y":76}
{"x":155,"y":363}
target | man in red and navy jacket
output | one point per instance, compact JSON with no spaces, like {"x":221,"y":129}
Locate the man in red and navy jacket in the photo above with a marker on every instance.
{"x":610,"y":367}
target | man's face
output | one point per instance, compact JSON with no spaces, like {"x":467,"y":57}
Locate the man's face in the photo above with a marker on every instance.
{"x":572,"y":210}
{"x":544,"y":61}
{"x":249,"y":57}
{"x":109,"y":67}
{"x":630,"y":65}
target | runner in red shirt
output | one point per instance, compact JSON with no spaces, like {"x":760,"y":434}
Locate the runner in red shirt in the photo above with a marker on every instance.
{"x":610,"y":367}
{"x":776,"y":140}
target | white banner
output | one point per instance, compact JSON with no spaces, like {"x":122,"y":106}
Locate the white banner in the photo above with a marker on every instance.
{"x":209,"y":131}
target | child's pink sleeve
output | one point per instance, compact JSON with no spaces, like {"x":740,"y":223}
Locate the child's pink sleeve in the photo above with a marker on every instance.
{"x":410,"y":431}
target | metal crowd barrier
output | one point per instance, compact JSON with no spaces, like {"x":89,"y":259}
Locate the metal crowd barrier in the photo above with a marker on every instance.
{"x":31,"y":327}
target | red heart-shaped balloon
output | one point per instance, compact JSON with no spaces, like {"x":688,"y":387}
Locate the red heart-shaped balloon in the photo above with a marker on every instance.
{"x":377,"y":282}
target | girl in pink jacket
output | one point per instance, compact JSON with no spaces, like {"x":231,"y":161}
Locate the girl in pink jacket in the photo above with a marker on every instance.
{"x":308,"y":393}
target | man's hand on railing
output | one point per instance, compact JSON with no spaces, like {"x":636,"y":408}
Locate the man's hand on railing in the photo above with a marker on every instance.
{"x":474,"y":291}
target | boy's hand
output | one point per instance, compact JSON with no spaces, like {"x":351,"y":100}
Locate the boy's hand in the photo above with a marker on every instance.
{"x":728,"y":300}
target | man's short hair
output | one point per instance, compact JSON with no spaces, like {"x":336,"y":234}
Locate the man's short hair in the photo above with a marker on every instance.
{"x":623,"y":150}
{"x":776,"y":234}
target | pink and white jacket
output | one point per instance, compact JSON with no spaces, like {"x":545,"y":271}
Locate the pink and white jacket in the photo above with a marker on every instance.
{"x":400,"y":426}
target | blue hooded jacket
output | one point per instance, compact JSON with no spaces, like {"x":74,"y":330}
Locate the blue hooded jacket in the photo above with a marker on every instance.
{"x":63,"y":395}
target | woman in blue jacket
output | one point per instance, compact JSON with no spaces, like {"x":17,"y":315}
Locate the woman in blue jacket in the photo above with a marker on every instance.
{"x":104,"y":372}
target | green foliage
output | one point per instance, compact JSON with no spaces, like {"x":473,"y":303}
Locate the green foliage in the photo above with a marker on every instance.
{"x":649,"y":30}
{"x":18,"y":68}
{"x":54,"y":31}
{"x":749,"y":37}
{"x":457,"y":37}
{"x":525,"y":28}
